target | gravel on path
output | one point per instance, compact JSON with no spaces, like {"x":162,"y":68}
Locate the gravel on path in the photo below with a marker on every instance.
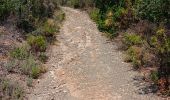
{"x":85,"y":66}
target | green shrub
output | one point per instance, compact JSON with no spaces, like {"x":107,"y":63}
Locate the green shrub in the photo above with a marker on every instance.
{"x":31,"y":67}
{"x":26,"y":24}
{"x":35,"y":72}
{"x":120,"y":11}
{"x":59,"y":16}
{"x":26,"y":12}
{"x":134,"y":55}
{"x":78,"y":3}
{"x":154,"y":76}
{"x":75,"y":3}
{"x":161,"y":47}
{"x":10,"y":90}
{"x":49,"y":28}
{"x":6,"y":6}
{"x":43,"y":8}
{"x":20,"y":52}
{"x":10,"y":65}
{"x":113,"y":16}
{"x":149,"y":59}
{"x":43,"y":57}
{"x":27,"y":65}
{"x":29,"y":82}
{"x":131,"y":39}
{"x":37,"y":43}
{"x":94,"y":14}
{"x":153,"y":10}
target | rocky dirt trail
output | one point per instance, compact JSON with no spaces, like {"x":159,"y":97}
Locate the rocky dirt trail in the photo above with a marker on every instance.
{"x":84,"y":65}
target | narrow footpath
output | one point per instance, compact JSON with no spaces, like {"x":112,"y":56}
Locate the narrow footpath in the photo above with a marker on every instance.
{"x":84,"y":65}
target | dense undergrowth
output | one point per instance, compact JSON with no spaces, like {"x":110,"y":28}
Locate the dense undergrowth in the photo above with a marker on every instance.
{"x":147,"y":45}
{"x":38,"y":22}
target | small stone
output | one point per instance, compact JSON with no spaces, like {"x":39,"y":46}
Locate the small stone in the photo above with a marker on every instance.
{"x":38,"y":81}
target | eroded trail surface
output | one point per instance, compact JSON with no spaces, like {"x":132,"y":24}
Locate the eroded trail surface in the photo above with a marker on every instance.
{"x":85,"y":66}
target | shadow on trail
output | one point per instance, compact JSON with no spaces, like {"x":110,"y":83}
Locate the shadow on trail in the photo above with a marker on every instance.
{"x":144,"y":87}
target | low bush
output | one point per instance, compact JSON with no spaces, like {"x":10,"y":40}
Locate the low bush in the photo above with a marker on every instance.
{"x":154,"y":76}
{"x":149,"y":59}
{"x":161,"y":45}
{"x":31,"y":67}
{"x":49,"y":28}
{"x":153,"y":10}
{"x":114,"y":15}
{"x":20,"y":52}
{"x":60,"y":17}
{"x":10,"y":90}
{"x":156,"y":52}
{"x":37,"y":43}
{"x":29,"y":82}
{"x":94,"y":14}
{"x":26,"y":24}
{"x":35,"y":72}
{"x":134,"y":55}
{"x":10,"y":66}
{"x":27,"y":65}
{"x":43,"y":57}
{"x":74,"y":3}
{"x":6,"y":6}
{"x":78,"y":3}
{"x":131,"y":39}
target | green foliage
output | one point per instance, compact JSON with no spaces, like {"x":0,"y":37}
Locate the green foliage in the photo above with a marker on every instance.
{"x":94,"y":14}
{"x":49,"y":28}
{"x":153,"y":10}
{"x":35,"y":72}
{"x":132,"y":39}
{"x":125,"y":12}
{"x":154,"y":76}
{"x":161,"y":46}
{"x":27,"y":12}
{"x":78,"y":3}
{"x":26,"y":25}
{"x":10,"y":90}
{"x":20,"y":52}
{"x":29,"y":82}
{"x":161,"y":41}
{"x":10,"y":65}
{"x":114,"y":15}
{"x":75,"y":3}
{"x":30,"y":67}
{"x":6,"y":6}
{"x":41,"y":10}
{"x":43,"y":57}
{"x":119,"y":12}
{"x":37,"y":43}
{"x":59,"y":16}
{"x":27,"y":65}
{"x":134,"y":55}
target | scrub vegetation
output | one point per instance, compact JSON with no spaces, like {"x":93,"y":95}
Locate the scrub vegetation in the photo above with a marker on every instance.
{"x":35,"y":23}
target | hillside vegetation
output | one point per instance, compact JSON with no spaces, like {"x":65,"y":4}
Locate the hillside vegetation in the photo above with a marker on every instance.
{"x":143,"y":26}
{"x":27,"y":27}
